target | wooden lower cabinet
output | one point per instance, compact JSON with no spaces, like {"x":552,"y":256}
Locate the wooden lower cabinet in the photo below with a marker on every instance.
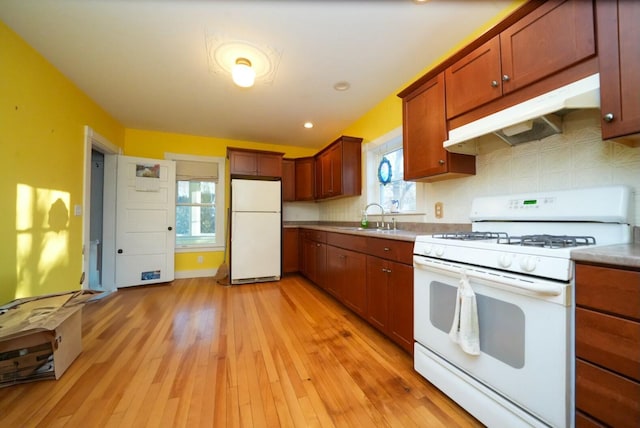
{"x":290,"y":251}
{"x":390,"y":299}
{"x":401,"y":305}
{"x":378,"y":292}
{"x":346,"y":277}
{"x":313,"y":256}
{"x":607,"y":346}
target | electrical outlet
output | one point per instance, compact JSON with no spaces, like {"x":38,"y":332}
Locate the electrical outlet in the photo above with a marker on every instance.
{"x":200,"y":259}
{"x":439,"y":210}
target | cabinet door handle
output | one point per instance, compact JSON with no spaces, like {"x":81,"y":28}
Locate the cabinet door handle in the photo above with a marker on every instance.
{"x":506,"y":78}
{"x":494,"y":83}
{"x":387,"y":249}
{"x":120,"y":251}
{"x":441,"y":161}
{"x":608,"y":117}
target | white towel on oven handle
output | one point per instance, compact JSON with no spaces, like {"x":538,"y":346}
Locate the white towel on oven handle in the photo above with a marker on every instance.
{"x":465,"y":330}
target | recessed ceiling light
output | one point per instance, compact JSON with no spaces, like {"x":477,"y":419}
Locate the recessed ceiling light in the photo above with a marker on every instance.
{"x":342,"y":86}
{"x":308,"y":125}
{"x":420,"y":1}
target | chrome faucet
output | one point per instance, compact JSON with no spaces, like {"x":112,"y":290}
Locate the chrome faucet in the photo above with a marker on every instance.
{"x":381,"y":213}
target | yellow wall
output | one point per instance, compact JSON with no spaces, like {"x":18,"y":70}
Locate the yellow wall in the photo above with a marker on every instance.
{"x":151,"y":144}
{"x":42,"y":119}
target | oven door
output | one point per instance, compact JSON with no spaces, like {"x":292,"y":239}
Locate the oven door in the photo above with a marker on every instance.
{"x":524,"y":330}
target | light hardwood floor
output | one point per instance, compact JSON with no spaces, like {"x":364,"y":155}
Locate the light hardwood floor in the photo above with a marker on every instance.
{"x":194,"y":353}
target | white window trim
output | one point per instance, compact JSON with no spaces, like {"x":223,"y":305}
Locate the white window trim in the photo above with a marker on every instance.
{"x":387,"y":141}
{"x":220,"y":201}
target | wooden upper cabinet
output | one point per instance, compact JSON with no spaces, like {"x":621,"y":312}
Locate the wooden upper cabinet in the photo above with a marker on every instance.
{"x":254,"y":162}
{"x":338,"y":169}
{"x":557,"y":35}
{"x":619,"y":58}
{"x":425,"y":129}
{"x":288,"y":180}
{"x":304,"y":175}
{"x":475,"y":79}
{"x":553,"y":37}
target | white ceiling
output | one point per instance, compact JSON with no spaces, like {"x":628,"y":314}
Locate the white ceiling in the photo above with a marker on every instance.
{"x":146,"y":62}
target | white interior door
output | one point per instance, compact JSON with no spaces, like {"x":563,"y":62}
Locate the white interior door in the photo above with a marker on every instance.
{"x":145,"y":221}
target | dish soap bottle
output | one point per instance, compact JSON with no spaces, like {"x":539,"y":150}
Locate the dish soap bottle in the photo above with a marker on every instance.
{"x":364,"y":223}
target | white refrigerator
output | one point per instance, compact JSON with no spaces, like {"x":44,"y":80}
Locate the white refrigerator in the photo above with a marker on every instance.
{"x":256,"y":230}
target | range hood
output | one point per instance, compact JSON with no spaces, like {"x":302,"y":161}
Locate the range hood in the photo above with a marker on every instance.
{"x":531,"y":120}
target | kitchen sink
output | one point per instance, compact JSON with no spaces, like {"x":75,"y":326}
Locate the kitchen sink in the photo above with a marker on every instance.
{"x":363,"y":229}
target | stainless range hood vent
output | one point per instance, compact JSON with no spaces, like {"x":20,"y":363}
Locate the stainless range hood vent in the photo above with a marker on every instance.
{"x":531,"y":120}
{"x":531,"y":130}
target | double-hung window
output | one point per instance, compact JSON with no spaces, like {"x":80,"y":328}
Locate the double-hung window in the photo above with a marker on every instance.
{"x":199,"y":202}
{"x":386,"y":163}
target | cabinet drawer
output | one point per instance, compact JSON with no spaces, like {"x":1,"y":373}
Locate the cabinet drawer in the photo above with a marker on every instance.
{"x":584,"y":421}
{"x":606,"y":396}
{"x":400,"y":251}
{"x":608,"y":341}
{"x":314,"y":235}
{"x":345,"y":240}
{"x":615,"y":291}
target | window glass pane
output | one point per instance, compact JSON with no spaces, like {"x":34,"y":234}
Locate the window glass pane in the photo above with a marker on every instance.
{"x":398,"y":195}
{"x":199,"y":192}
{"x":195,"y":212}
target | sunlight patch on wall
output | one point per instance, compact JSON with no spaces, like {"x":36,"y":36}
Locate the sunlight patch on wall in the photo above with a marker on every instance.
{"x":42,"y":236}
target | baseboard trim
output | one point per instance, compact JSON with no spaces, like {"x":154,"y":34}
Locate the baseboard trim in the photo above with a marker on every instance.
{"x":197,"y":273}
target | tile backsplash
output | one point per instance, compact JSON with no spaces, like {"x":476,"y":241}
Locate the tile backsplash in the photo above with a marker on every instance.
{"x":576,"y":158}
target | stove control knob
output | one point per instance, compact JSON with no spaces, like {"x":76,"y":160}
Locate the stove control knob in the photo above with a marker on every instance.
{"x":528,"y":264}
{"x":439,"y":251}
{"x":427,"y":250}
{"x":505,"y":260}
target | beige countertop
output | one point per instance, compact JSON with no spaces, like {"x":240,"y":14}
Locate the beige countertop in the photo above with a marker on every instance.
{"x":623,"y":255}
{"x":398,"y":234}
{"x":404,"y":232}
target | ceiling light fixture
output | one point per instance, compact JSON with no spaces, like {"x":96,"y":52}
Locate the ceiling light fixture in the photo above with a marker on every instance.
{"x":242,"y":73}
{"x":308,"y":125}
{"x":342,"y":86}
{"x":223,"y":53}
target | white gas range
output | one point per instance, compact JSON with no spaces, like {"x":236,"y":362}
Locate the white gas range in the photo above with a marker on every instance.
{"x":516,"y":260}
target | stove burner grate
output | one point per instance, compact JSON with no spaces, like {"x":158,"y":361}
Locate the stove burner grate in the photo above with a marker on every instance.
{"x":550,"y":241}
{"x":473,"y":236}
{"x":538,"y":240}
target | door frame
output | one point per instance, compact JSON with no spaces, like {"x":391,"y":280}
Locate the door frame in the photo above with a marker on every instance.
{"x":95,"y":141}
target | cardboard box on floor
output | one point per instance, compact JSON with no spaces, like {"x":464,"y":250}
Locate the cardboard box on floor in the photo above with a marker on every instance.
{"x":40,"y":337}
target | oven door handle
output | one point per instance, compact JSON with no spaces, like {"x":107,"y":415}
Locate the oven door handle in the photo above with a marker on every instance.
{"x":538,"y":287}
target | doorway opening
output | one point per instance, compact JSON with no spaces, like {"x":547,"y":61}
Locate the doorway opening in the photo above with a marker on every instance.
{"x":95,"y":220}
{"x":99,"y":220}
